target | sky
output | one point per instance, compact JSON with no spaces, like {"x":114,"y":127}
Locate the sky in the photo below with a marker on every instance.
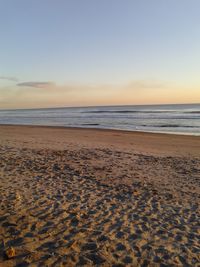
{"x":57,"y":53}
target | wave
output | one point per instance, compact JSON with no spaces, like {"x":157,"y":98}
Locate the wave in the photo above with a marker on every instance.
{"x":111,"y":111}
{"x":193,"y":112}
{"x":90,"y":124}
{"x":142,"y":111}
{"x":128,"y":111}
{"x":170,"y":126}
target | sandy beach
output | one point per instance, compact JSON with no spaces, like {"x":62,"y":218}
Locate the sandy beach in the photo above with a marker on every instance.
{"x":86,"y":197}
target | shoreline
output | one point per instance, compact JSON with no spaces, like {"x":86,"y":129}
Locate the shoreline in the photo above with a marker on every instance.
{"x":101,"y":129}
{"x":60,"y":138}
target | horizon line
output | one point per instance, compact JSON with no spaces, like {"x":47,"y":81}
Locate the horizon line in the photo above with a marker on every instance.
{"x":98,"y":106}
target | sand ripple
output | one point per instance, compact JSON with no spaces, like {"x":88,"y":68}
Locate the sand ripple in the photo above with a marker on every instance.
{"x":97,"y":207}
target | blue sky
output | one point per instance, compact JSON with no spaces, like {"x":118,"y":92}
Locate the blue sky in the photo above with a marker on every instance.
{"x":93,"y":52}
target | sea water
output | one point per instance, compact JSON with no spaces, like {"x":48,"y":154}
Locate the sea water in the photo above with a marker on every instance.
{"x":180,"y":119}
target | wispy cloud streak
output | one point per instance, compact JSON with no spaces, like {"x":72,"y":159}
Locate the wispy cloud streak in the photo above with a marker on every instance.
{"x":36,"y":84}
{"x":9,"y":78}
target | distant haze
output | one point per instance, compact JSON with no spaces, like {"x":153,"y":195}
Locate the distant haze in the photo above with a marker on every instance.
{"x":83,"y":53}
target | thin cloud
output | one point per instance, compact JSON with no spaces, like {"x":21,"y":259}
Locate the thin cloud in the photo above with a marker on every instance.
{"x":36,"y":84}
{"x":9,"y":78}
{"x":145,"y":84}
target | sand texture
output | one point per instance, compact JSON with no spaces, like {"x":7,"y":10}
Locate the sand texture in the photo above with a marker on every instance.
{"x":72,"y":197}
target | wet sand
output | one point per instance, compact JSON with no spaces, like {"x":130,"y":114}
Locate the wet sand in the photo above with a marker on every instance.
{"x":80,"y":197}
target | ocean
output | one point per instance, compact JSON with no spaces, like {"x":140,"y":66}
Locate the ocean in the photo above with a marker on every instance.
{"x":175,"y":119}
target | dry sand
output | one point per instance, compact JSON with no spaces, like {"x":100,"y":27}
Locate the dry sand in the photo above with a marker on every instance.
{"x":80,"y":197}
